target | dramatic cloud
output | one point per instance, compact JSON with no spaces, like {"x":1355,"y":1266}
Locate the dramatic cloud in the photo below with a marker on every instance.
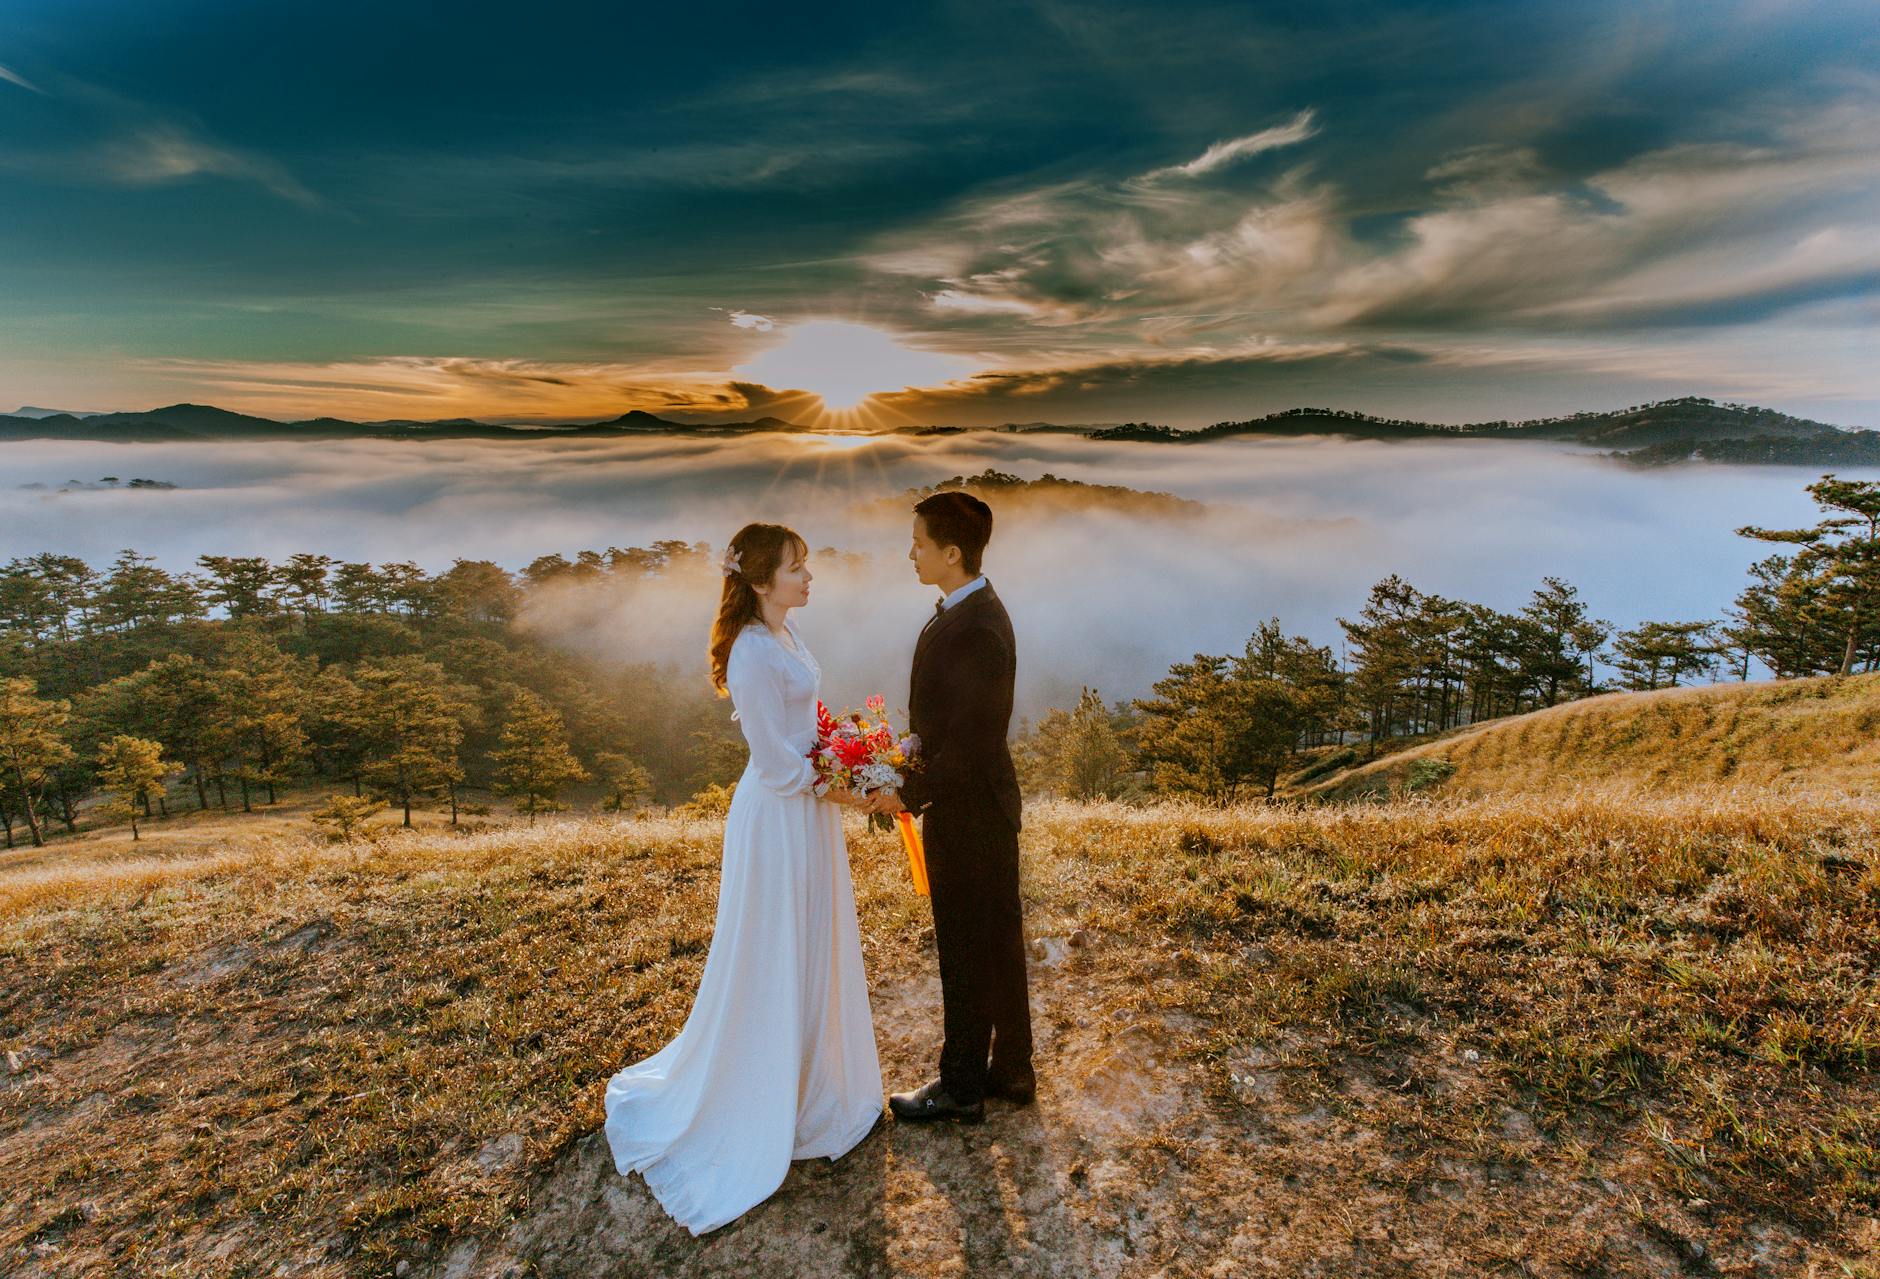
{"x":1451,"y":210}
{"x":1090,"y":256}
{"x":1693,"y":231}
{"x":427,"y":388}
{"x":1689,"y":228}
{"x":1224,"y":153}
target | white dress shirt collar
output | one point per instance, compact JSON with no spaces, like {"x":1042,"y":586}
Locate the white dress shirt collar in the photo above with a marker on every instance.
{"x":954,"y":597}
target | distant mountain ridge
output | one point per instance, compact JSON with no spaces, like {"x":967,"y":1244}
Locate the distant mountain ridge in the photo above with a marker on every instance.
{"x":204,"y":422}
{"x":1690,"y":428}
{"x":33,"y":410}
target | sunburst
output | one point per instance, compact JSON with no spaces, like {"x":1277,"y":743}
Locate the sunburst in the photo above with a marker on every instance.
{"x":843,"y":364}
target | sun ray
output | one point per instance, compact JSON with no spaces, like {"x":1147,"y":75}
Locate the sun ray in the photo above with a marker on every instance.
{"x":842,"y":364}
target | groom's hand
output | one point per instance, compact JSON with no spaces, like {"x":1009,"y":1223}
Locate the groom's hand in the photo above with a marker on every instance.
{"x":887,"y":801}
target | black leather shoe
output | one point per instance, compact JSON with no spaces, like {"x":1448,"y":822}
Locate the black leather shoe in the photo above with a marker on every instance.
{"x":934,"y":1102}
{"x":1018,"y":1091}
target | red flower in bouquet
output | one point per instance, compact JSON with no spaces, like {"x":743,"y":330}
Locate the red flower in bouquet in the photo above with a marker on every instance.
{"x":861,"y":751}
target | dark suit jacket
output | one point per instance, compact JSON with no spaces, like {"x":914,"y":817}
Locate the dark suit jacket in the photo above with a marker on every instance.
{"x":960,"y":705}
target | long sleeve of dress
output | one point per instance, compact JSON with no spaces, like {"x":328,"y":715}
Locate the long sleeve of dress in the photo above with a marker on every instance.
{"x":778,"y":765}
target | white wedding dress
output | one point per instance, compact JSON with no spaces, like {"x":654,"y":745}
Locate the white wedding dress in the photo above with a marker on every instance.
{"x":777,"y":1058}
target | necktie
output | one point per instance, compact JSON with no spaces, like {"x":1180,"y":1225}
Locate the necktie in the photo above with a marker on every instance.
{"x":939,"y":607}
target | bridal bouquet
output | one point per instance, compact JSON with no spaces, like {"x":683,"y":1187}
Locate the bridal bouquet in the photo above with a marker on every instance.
{"x":861,"y":750}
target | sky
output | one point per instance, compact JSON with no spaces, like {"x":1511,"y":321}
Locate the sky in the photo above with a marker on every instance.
{"x":864,"y":215}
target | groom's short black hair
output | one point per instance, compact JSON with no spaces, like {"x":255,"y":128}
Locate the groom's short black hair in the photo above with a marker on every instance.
{"x":957,"y":518}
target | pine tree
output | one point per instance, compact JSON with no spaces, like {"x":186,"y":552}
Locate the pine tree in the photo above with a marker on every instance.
{"x":130,"y":767}
{"x":357,"y":589}
{"x":1080,"y":753}
{"x":1384,"y":654}
{"x":180,"y":702}
{"x":1488,"y":648}
{"x":1659,"y":654}
{"x":1561,"y":641}
{"x":411,"y":718}
{"x":336,"y":743}
{"x":268,"y":695}
{"x":1839,"y":561}
{"x":9,"y":810}
{"x":339,"y":817}
{"x":1780,"y":619}
{"x":405,"y":585}
{"x":241,"y":584}
{"x":30,"y":746}
{"x":1736,"y":642}
{"x":1308,"y":670}
{"x":480,"y":592}
{"x":1187,"y":735}
{"x":70,"y":585}
{"x":534,"y":762}
{"x":717,"y":755}
{"x":303,"y":581}
{"x":27,"y":604}
{"x":628,"y":784}
{"x":137,"y":594}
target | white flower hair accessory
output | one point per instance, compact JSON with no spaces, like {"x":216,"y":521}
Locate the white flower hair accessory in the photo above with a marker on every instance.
{"x":731,"y":563}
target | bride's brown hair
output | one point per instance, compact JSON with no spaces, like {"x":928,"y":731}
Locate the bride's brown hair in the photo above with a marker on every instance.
{"x":760,"y":553}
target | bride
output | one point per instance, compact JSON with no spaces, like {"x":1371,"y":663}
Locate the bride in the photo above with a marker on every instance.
{"x":777,"y":1057}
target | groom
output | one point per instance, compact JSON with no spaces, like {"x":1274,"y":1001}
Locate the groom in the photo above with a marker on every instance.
{"x":960,"y":705}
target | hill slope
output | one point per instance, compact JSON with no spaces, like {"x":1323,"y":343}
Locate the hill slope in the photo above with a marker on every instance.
{"x":1585,"y":1037}
{"x":1821,"y":733}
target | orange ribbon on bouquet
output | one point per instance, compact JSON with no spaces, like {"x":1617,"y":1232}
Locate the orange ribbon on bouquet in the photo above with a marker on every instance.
{"x":916,"y":855}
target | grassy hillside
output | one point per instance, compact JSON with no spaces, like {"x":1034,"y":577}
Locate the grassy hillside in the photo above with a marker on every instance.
{"x":1821,"y":733}
{"x":1594,"y":1036}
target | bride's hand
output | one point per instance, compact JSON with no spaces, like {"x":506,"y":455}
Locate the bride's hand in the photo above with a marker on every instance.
{"x":843,"y":795}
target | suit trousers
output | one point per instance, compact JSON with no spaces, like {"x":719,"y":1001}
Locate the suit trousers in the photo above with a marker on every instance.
{"x":978,"y":931}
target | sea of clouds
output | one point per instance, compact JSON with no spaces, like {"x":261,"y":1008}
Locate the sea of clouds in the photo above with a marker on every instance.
{"x":1295,"y":528}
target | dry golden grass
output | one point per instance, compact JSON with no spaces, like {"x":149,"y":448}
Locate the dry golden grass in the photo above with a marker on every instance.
{"x":283,"y":1041}
{"x":1821,"y":733}
{"x":187,"y":842}
{"x":290,"y":1054}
